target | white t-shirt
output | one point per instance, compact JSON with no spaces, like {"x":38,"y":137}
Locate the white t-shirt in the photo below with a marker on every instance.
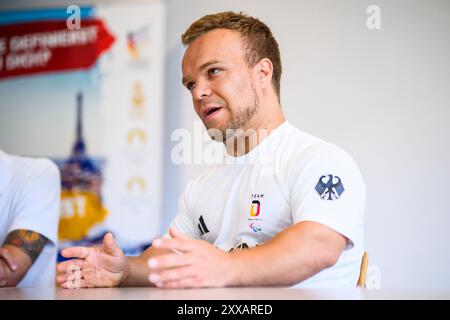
{"x":289,"y":177}
{"x":29,"y":199}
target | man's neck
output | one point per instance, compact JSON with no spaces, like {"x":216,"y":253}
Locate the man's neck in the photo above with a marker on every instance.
{"x":253,"y":134}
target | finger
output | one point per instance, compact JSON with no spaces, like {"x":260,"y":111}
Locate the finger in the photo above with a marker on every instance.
{"x":174,"y":244}
{"x":70,"y":265}
{"x":110,"y":246}
{"x":64,"y":277}
{"x":5,"y":254}
{"x":174,"y":233}
{"x":74,"y":276}
{"x":61,"y":278}
{"x":76,"y":252}
{"x":172,"y":275}
{"x":77,"y":284}
{"x":169,"y":260}
{"x":4,"y":270}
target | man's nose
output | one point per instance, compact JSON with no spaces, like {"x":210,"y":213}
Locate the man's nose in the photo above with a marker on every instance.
{"x":201,"y":90}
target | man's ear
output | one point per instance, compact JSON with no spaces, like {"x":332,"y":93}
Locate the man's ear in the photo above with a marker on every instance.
{"x":264,"y":71}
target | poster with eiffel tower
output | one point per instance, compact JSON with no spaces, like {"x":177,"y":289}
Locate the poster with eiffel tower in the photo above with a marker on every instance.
{"x":94,"y":107}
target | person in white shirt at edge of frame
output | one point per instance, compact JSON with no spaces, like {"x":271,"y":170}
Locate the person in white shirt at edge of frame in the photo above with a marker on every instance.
{"x":29,"y":215}
{"x":283,"y":209}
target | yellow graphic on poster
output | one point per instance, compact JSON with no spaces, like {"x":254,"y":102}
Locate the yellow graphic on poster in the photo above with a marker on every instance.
{"x":136,"y":135}
{"x":138,"y":96}
{"x":80,"y":210}
{"x":136,"y":183}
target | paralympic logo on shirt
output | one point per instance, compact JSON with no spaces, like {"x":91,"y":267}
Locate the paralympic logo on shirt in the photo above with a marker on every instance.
{"x":255,"y":227}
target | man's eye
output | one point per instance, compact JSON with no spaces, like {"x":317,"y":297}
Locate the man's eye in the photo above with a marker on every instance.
{"x":190,"y":86}
{"x":213,"y":71}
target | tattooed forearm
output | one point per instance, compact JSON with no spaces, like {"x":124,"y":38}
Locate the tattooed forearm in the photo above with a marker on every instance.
{"x":28,"y":241}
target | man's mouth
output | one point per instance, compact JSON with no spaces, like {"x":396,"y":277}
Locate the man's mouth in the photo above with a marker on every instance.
{"x":210,"y":112}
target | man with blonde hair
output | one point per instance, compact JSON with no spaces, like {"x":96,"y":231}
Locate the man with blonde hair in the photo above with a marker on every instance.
{"x":288,"y":213}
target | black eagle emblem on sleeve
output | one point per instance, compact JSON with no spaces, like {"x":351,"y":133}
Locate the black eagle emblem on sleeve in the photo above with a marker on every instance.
{"x":330,"y":189}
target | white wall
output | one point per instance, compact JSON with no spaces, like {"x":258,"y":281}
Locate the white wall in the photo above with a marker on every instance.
{"x":382,"y":95}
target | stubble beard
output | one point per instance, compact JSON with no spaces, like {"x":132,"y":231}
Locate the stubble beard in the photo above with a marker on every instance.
{"x":237,"y":122}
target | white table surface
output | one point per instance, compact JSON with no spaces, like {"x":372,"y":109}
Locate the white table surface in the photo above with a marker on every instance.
{"x":213,"y":294}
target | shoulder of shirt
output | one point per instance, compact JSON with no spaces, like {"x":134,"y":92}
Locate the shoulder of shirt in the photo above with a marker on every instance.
{"x":27,"y":167}
{"x":301,"y":149}
{"x":19,"y":172}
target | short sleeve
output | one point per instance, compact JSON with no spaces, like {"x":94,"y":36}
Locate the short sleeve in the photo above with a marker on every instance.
{"x":329,"y":189}
{"x":38,"y":205}
{"x":183,"y":221}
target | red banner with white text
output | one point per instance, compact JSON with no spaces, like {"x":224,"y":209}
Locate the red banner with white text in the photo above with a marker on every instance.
{"x":47,"y":46}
